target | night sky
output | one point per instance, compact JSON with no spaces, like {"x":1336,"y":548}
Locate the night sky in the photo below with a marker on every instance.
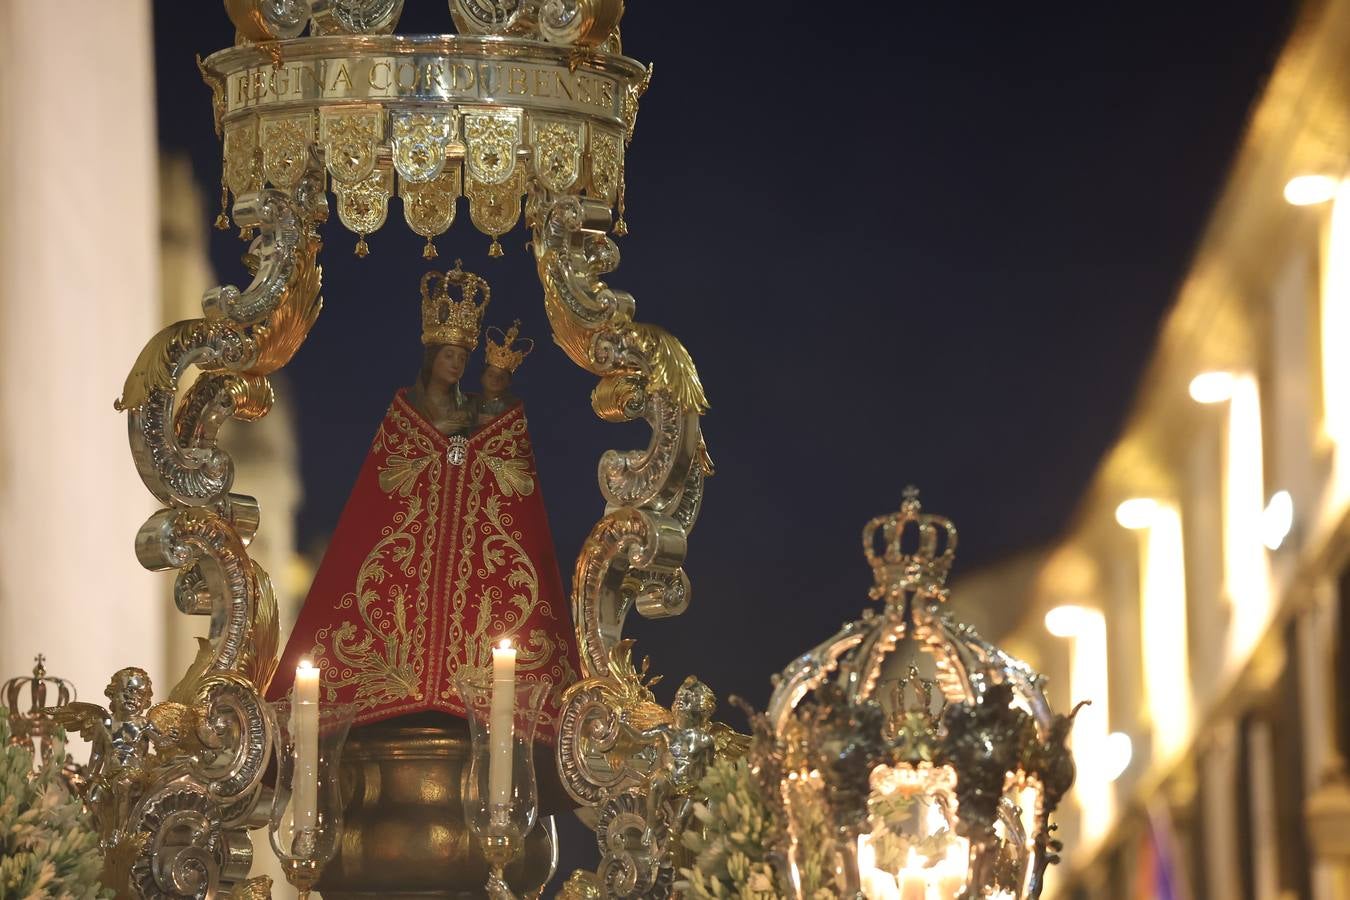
{"x":925,"y":243}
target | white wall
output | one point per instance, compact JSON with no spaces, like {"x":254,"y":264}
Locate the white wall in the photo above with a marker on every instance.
{"x":79,"y":297}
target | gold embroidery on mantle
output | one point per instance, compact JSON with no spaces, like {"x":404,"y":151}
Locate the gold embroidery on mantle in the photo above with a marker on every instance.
{"x":385,"y":657}
{"x":513,"y":476}
{"x":489,"y":543}
{"x":452,"y":561}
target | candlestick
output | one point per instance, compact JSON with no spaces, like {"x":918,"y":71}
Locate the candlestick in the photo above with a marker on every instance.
{"x":501,"y":723}
{"x":305,"y":725}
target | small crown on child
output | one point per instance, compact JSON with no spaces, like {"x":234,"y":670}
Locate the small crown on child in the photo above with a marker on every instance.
{"x":450,"y":320}
{"x":508,"y":353}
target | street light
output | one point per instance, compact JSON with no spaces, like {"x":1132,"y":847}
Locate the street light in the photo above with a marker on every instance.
{"x":1277,"y":520}
{"x":1069,"y":621}
{"x":1245,"y":567}
{"x":1212,"y":387}
{"x":1089,"y":679}
{"x":1137,"y":513}
{"x":1118,"y":752}
{"x":1309,"y":190}
{"x":1162,"y":618}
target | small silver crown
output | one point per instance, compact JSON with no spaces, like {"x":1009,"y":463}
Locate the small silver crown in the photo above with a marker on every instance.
{"x":34,"y":729}
{"x":924,"y":567}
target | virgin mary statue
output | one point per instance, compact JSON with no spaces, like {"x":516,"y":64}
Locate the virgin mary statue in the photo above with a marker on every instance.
{"x":443,"y":549}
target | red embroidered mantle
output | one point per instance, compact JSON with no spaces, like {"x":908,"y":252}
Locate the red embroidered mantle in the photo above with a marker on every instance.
{"x":433,"y":563}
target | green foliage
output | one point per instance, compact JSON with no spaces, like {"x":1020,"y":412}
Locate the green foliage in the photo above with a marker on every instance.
{"x":732,"y":839}
{"x":890,"y":840}
{"x":47,"y":847}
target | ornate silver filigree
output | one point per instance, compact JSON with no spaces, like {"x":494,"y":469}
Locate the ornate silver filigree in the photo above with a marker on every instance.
{"x":634,"y":556}
{"x":355,"y":16}
{"x":176,"y":539}
{"x":177,"y":825}
{"x":995,"y":733}
{"x":278,"y":219}
{"x":268,"y":20}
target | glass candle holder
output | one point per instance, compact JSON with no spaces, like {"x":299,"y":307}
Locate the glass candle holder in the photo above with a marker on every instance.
{"x":501,"y":801}
{"x":306,"y":821}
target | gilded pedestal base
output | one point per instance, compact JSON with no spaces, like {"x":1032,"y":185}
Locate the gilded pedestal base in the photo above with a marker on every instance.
{"x":404,"y":833}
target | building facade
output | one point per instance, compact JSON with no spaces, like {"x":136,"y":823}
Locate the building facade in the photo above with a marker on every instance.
{"x":1201,"y":596}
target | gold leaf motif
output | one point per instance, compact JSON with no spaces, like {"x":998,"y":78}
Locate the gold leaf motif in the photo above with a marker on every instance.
{"x":259,"y":662}
{"x":492,"y":139}
{"x":185,"y":691}
{"x":430,"y":207}
{"x":606,"y":163}
{"x":629,"y":109}
{"x":513,"y":476}
{"x":671,"y":367}
{"x":489,"y":540}
{"x":350,"y":138}
{"x":281,"y":335}
{"x":285,"y":143}
{"x":241,"y":157}
{"x":582,"y":886}
{"x":420,"y":142}
{"x":363,"y":206}
{"x":401,"y":474}
{"x":495,"y":208}
{"x":259,"y":888}
{"x":557,"y":152}
{"x":383,"y":653}
{"x":152,"y":370}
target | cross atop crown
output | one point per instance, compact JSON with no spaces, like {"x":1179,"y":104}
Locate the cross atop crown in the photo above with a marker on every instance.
{"x":909,"y":551}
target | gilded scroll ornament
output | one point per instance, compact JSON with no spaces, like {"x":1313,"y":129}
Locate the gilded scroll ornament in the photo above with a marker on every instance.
{"x":363,"y":205}
{"x":493,"y":140}
{"x":581,"y":23}
{"x":613,"y":750}
{"x":495,"y":208}
{"x":606,"y":164}
{"x":285,"y":148}
{"x":268,"y":20}
{"x":174,"y":821}
{"x":632,"y":93}
{"x":420,"y":142}
{"x":429,"y":207}
{"x":557,"y":151}
{"x":350,"y":138}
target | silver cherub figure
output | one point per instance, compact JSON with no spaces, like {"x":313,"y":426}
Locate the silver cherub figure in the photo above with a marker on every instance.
{"x":687,"y":745}
{"x":122,"y":737}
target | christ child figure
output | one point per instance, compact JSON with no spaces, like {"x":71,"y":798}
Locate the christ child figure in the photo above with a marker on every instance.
{"x":504,"y":356}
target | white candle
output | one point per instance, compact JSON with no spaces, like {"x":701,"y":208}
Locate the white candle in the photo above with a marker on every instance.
{"x":305,"y":730}
{"x":951,"y":872}
{"x":876,"y":884}
{"x":501,"y":723}
{"x":913,"y":886}
{"x":879,"y":885}
{"x":913,"y":881}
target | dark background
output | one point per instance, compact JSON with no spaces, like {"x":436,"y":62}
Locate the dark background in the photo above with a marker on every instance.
{"x":924,"y":243}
